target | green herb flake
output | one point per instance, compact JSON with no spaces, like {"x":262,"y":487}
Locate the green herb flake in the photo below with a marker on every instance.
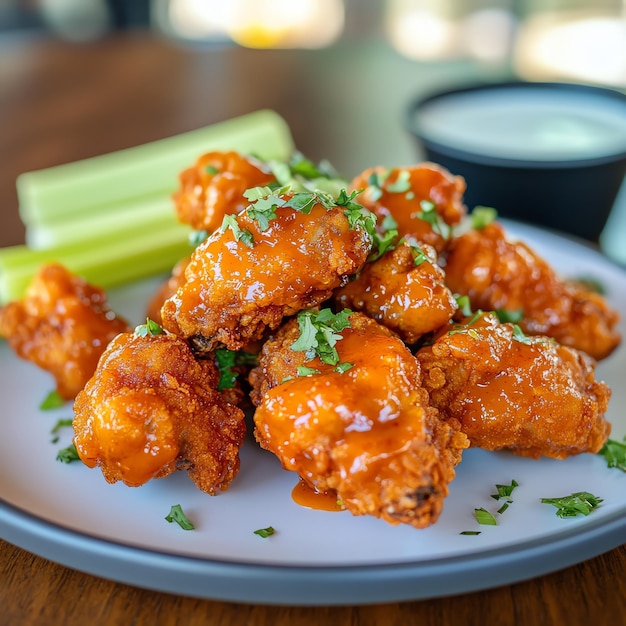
{"x":211,"y":169}
{"x":509,"y":316}
{"x":504,"y":507}
{"x":230,"y":223}
{"x":429,"y":214}
{"x":176,"y":515}
{"x":52,"y":401}
{"x":150,"y":328}
{"x":68,"y":455}
{"x":579,"y":503}
{"x":196,"y":237}
{"x":482,"y":216}
{"x":303,"y":370}
{"x":614,"y":452}
{"x":505,"y":491}
{"x":470,"y":532}
{"x":466,"y":327}
{"x":62,"y":423}
{"x":518,"y":335}
{"x":464,"y":305}
{"x":265,"y":532}
{"x":484,"y":517}
{"x":342,"y":368}
{"x":319,"y":333}
{"x":402,"y":183}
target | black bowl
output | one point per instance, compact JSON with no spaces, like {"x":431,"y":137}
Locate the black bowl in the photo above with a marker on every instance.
{"x":562,"y":170}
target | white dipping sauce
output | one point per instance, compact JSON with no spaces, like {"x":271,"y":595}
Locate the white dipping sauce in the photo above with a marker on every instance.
{"x":527,"y":123}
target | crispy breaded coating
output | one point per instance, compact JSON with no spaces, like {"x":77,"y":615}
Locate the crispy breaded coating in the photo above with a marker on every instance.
{"x":151,"y":408}
{"x":404,"y":290}
{"x":424,"y":200}
{"x":509,"y":391}
{"x":63,"y":325}
{"x":213,"y":187}
{"x":368,"y":433}
{"x":247,"y":277}
{"x":500,"y":274}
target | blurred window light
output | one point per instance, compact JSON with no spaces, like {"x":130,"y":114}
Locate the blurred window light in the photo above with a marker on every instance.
{"x":254,"y":23}
{"x":583,"y":45}
{"x":488,"y":34}
{"x":419,"y":29}
{"x":429,"y":30}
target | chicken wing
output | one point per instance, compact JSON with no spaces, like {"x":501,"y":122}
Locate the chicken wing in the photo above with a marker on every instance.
{"x":151,"y":408}
{"x":510,"y":391}
{"x":281,"y":254}
{"x":500,"y":274}
{"x":423,"y":201}
{"x":404,"y":290}
{"x":62,"y":325}
{"x":352,"y":417}
{"x":214,"y":186}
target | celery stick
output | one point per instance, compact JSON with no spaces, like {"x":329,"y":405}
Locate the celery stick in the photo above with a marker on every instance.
{"x":58,"y":193}
{"x":106,"y":261}
{"x":128,"y":216}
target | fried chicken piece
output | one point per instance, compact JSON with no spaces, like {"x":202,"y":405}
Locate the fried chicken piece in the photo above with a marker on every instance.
{"x":496,"y":273}
{"x":509,"y":391}
{"x":424,"y":200}
{"x":404,"y":290}
{"x":368,"y":433}
{"x":63,"y":325}
{"x":151,"y":408}
{"x":247,"y":277}
{"x":213,"y":187}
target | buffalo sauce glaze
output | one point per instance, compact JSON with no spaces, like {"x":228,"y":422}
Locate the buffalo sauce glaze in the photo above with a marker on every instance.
{"x":402,"y":199}
{"x":347,"y":431}
{"x":305,"y":495}
{"x":295,"y":262}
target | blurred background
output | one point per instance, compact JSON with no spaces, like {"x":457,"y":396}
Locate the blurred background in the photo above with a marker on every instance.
{"x":580,"y":40}
{"x":355,"y":64}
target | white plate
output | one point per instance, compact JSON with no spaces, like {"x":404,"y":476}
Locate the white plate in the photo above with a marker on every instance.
{"x":67,"y":513}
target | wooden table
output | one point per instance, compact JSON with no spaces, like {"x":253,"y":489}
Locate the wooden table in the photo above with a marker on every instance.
{"x":62,"y":102}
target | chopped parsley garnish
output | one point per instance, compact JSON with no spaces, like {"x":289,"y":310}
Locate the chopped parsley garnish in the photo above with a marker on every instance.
{"x":419,"y":256}
{"x":150,"y":328}
{"x":518,"y":335}
{"x":319,"y":333}
{"x":196,"y":237}
{"x":614,"y":453}
{"x":505,"y":491}
{"x":68,"y":455}
{"x":482,"y":216}
{"x":52,"y":401}
{"x":402,"y":183}
{"x":241,"y":234}
{"x":375,"y":183}
{"x":263,"y":204}
{"x":430,"y":215}
{"x":301,"y":166}
{"x":466,"y":327}
{"x":303,"y":370}
{"x":579,"y":503}
{"x":343,"y":367}
{"x":464,"y":305}
{"x":484,"y":517}
{"x":509,"y":316}
{"x":265,"y":532}
{"x":176,"y":515}
{"x":226,"y":360}
{"x":62,"y":423}
{"x":470,"y":532}
{"x":211,"y":169}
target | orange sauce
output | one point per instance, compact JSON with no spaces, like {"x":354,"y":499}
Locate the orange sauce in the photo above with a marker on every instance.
{"x":306,"y":496}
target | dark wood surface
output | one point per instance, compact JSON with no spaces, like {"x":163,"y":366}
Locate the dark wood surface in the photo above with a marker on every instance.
{"x":60,"y":102}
